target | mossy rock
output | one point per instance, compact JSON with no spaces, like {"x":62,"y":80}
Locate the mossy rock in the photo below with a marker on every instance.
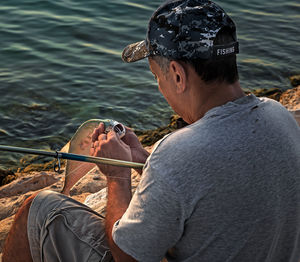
{"x":295,"y":80}
{"x":42,"y":166}
{"x":273,"y":93}
{"x":150,"y":137}
{"x":6,"y":176}
{"x":177,"y":122}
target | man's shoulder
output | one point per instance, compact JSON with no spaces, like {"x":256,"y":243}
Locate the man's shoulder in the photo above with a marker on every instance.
{"x":179,"y":148}
{"x":182,"y":138}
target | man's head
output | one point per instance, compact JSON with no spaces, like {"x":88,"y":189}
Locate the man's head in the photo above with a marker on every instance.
{"x":194,"y":31}
{"x":186,"y":37}
{"x":222,"y":69}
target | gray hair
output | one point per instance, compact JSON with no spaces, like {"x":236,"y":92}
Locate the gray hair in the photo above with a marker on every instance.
{"x":163,"y":62}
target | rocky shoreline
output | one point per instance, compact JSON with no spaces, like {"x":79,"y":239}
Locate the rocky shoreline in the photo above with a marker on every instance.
{"x":91,"y":189}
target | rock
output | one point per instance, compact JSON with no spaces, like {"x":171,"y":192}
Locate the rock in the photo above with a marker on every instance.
{"x":6,"y":176}
{"x":295,"y":80}
{"x":273,"y":93}
{"x":177,"y":122}
{"x":291,"y":98}
{"x":28,"y":183}
{"x":150,"y":137}
{"x":92,"y":182}
{"x":4,"y":229}
{"x":10,"y":205}
{"x":97,"y":201}
{"x":81,"y":198}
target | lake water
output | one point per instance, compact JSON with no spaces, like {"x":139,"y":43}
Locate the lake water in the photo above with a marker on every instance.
{"x":60,"y":64}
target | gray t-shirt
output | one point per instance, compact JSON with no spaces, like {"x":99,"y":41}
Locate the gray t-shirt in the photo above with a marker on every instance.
{"x":226,"y":188}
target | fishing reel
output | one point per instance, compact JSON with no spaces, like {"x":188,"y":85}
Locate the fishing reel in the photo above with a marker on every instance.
{"x":115,"y":126}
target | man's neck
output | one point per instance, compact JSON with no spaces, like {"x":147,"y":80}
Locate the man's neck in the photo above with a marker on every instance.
{"x":205,"y":97}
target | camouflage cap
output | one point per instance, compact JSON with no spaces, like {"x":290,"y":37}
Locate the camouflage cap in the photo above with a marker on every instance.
{"x":184,"y":29}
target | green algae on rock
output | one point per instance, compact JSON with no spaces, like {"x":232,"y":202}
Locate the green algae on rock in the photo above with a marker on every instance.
{"x":295,"y":80}
{"x":6,"y":176}
{"x":273,"y":93}
{"x":150,"y":137}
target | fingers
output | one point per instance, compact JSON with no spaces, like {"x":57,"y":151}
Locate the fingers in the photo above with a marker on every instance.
{"x":102,"y":137}
{"x":92,"y":151}
{"x":96,"y":144}
{"x":99,"y":130}
{"x":111,"y":134}
{"x":101,"y":140}
{"x":128,"y":130}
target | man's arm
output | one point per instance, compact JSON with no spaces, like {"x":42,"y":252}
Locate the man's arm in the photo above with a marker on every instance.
{"x":150,"y":222}
{"x":118,"y":183}
{"x":119,"y":196}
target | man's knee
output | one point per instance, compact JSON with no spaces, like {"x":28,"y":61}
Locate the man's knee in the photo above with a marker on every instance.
{"x":29,"y":200}
{"x":17,"y":239}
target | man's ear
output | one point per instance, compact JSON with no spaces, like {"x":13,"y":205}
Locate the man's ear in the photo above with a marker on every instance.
{"x":179,"y":75}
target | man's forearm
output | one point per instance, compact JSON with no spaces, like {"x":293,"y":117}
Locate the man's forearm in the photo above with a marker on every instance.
{"x":119,"y":196}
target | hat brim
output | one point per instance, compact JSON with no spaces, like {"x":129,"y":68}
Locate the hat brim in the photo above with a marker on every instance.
{"x":135,"y":52}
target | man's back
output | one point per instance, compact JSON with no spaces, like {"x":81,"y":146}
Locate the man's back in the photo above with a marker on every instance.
{"x":235,"y":178}
{"x":243,"y":193}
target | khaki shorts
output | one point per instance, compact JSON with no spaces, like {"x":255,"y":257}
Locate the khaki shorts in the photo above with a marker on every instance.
{"x":63,"y":229}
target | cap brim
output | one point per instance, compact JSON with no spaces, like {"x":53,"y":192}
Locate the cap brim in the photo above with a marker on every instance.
{"x":135,"y":52}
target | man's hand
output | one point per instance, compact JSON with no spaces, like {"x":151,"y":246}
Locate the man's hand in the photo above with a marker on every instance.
{"x":138,"y":153}
{"x":110,"y":146}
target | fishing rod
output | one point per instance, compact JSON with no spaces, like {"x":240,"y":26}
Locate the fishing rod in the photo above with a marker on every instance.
{"x":82,"y":158}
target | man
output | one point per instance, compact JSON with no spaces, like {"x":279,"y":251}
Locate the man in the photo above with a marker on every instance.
{"x":224,"y":188}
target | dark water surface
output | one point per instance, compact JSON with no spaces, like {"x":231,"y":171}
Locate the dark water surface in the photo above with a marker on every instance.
{"x":60,"y":64}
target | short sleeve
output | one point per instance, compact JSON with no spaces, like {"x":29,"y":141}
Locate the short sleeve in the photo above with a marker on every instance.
{"x":154,"y":220}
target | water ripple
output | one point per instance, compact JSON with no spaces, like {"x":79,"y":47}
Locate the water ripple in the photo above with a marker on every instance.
{"x":139,"y":6}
